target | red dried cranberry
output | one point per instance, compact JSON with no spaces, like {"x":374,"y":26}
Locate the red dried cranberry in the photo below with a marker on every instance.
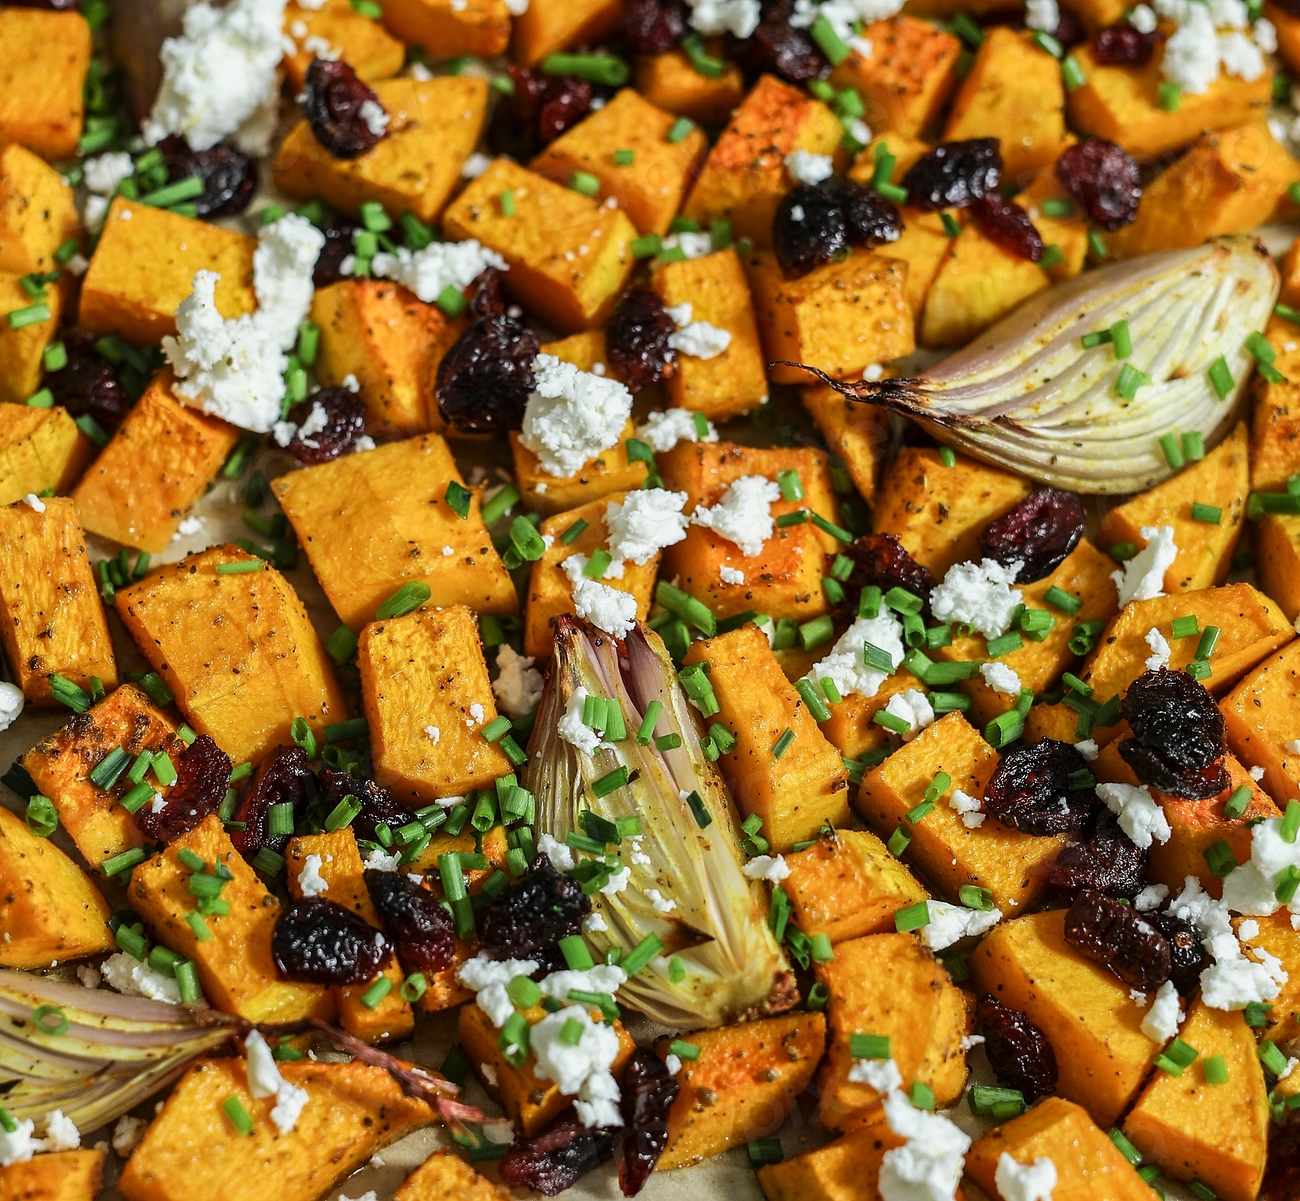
{"x":535,"y":914}
{"x":1117,"y":936}
{"x":648,"y":1093}
{"x":489,"y":298}
{"x":1282,"y":1177}
{"x":1019,"y":1052}
{"x":953,"y":174}
{"x":345,"y":422}
{"x":87,"y":386}
{"x":555,"y":1159}
{"x":1104,"y":859}
{"x":1187,"y":954}
{"x":880,"y":559}
{"x":485,"y":378}
{"x":809,"y":229}
{"x":1122,"y":46}
{"x":869,"y":219}
{"x":202,"y":777}
{"x":320,"y":942}
{"x":636,"y":340}
{"x":513,"y":129}
{"x":1007,"y":225}
{"x":229,"y":176}
{"x":566,"y":99}
{"x":333,"y":100}
{"x":653,"y":26}
{"x":1103,"y":180}
{"x":778,"y":48}
{"x":283,"y":777}
{"x":377,"y":804}
{"x":1178,"y":739}
{"x":1031,"y":789}
{"x":1038,"y":533}
{"x":420,"y":929}
{"x":339,"y":234}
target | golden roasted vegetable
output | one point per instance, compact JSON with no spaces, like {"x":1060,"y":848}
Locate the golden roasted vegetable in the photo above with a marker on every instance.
{"x":444,"y":1176}
{"x":549,"y":25}
{"x":367,"y":46}
{"x":45,"y":56}
{"x":41,"y":450}
{"x":844,"y":1170}
{"x":1260,"y":716}
{"x":37,"y":213}
{"x":55,"y":1176}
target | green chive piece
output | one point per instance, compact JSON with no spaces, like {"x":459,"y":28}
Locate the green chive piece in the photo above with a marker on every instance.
{"x":1220,"y":859}
{"x":1290,"y":826}
{"x":596,"y":68}
{"x":1128,"y":382}
{"x":1173,"y":451}
{"x":1215,"y":1069}
{"x":41,"y":816}
{"x":1169,"y":96}
{"x":912,"y":917}
{"x":1220,"y":376}
{"x":681,"y":130}
{"x":377,"y":992}
{"x":1206,"y":514}
{"x":406,"y":599}
{"x":232,"y":1105}
{"x":830,"y":42}
{"x":240,"y":567}
{"x":764,"y":1151}
{"x":641,"y":954}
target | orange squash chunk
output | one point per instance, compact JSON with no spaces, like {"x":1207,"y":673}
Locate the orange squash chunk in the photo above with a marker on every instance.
{"x":1259,"y":717}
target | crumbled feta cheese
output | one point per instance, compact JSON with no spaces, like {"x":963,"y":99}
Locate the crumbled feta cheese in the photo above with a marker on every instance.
{"x":518,"y":686}
{"x":11,"y":704}
{"x":561,"y":856}
{"x":1191,"y":58}
{"x":487,"y":979}
{"x":132,"y":978}
{"x":663,"y":430}
{"x":351,"y":383}
{"x":1001,"y":678}
{"x":93,"y":213}
{"x":1230,"y":984}
{"x":617,"y":882}
{"x":89,"y":975}
{"x":646,"y":521}
{"x":571,"y":726}
{"x":1088,"y":748}
{"x":310,"y":880}
{"x":264,"y":1077}
{"x":17,"y":1145}
{"x":1151,"y":897}
{"x":681,"y":314}
{"x":104,"y":172}
{"x":1160,"y":650}
{"x":290,"y":1101}
{"x":34,"y":502}
{"x":1142,"y":18}
{"x":1042,"y":14}
{"x":434,"y":734}
{"x":571,"y":415}
{"x":374,"y":116}
{"x":439,"y":265}
{"x":673,"y":1063}
{"x":127,"y":1134}
{"x":951,"y":923}
{"x":772,"y":868}
{"x":806,"y":167}
{"x":190,"y":526}
{"x":1140,"y":817}
{"x":380,"y":861}
{"x":881,"y":1074}
{"x":283,"y":263}
{"x":730,"y":575}
{"x":1265,"y":35}
{"x":61,"y":1133}
{"x":606,"y":608}
{"x":593,"y":923}
{"x":913,"y":707}
{"x":928,"y":1166}
{"x":1251,"y":887}
{"x":1240,"y":56}
{"x":1143,"y":576}
{"x":475,"y":165}
{"x":970,"y":808}
{"x":979,"y":595}
{"x":700,"y":340}
{"x":657,"y":899}
{"x":1025,"y":1181}
{"x":739,"y":17}
{"x":581,"y":1071}
{"x":477,"y":713}
{"x":1248,"y":929}
{"x":1161,"y":1021}
{"x":845,"y":665}
{"x":844,"y":15}
{"x":744,"y":514}
{"x":692,"y":245}
{"x":158,"y":804}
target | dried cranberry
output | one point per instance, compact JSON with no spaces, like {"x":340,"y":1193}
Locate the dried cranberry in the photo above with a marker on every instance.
{"x":335,"y":103}
{"x":1038,"y":533}
{"x":50,"y":5}
{"x":1187,"y":954}
{"x":489,"y":294}
{"x":319,"y":942}
{"x":1031,"y":789}
{"x":377,"y":804}
{"x":1123,"y":46}
{"x":648,"y":1093}
{"x":229,"y":176}
{"x":880,"y":559}
{"x":1103,"y":180}
{"x":953,"y":174}
{"x":1178,"y":739}
{"x":513,"y":129}
{"x":485,"y":378}
{"x":1104,"y":859}
{"x":552,"y":1161}
{"x":565,"y":101}
{"x":339,"y":234}
{"x":1117,"y":936}
{"x":283,"y":777}
{"x":1019,"y":1052}
{"x":816,"y":223}
{"x":1282,"y":1177}
{"x":202,"y":777}
{"x":344,"y":417}
{"x":653,"y":26}
{"x":1008,"y":226}
{"x":420,"y":929}
{"x":636,"y":340}
{"x":87,"y":386}
{"x":777,"y":47}
{"x":536,"y":913}
{"x":869,"y":219}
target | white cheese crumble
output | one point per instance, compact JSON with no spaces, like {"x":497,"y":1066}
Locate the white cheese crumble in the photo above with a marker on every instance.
{"x":518,"y":686}
{"x":663,"y":430}
{"x":104,"y":172}
{"x":929,"y":1165}
{"x":738,"y":17}
{"x":673,"y":1063}
{"x":571,"y":415}
{"x":487,"y":979}
{"x":1240,"y":56}
{"x":881,"y":1074}
{"x":1151,"y":897}
{"x":88,"y":975}
{"x":657,"y":899}
{"x":1161,"y":1021}
{"x":979,"y":595}
{"x":1042,"y":14}
{"x":593,"y":923}
{"x":61,"y":1133}
{"x":477,"y":713}
{"x":1143,"y":576}
{"x":1140,"y":817}
{"x":571,"y":726}
{"x":772,"y":868}
{"x":380,"y":861}
{"x":1160,"y":650}
{"x":132,"y":978}
{"x":11,"y":704}
{"x":1248,"y":929}
{"x":968,"y":807}
{"x":1025,"y":1181}
{"x":34,"y":502}
{"x":843,"y":16}
{"x":1251,"y":887}
{"x":805,"y":167}
{"x":692,"y":245}
{"x":845,"y":665}
{"x":645,"y":522}
{"x":951,"y":923}
{"x":581,"y":1071}
{"x":18,"y":1145}
{"x":1088,"y":748}
{"x":475,"y":165}
{"x":310,"y":880}
{"x":617,"y":882}
{"x":606,"y":608}
{"x":561,"y":856}
{"x":913,"y":707}
{"x":372,"y":113}
{"x":438,"y":266}
{"x":1001,"y":678}
{"x":1143,"y":18}
{"x":1292,"y":747}
{"x":127,"y":1134}
{"x":744,"y":514}
{"x":700,"y":340}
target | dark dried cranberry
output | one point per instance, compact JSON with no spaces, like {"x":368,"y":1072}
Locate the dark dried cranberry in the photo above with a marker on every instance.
{"x":283,"y":777}
{"x":1038,"y":533}
{"x":202,"y":777}
{"x":777,"y":47}
{"x":1187,"y":954}
{"x":953,"y":174}
{"x":485,"y":378}
{"x":489,"y":294}
{"x":1122,"y":46}
{"x":1008,"y":226}
{"x":1178,"y":735}
{"x":1282,"y":1177}
{"x":513,"y":129}
{"x":87,"y":386}
{"x":809,"y":229}
{"x":566,"y":99}
{"x":229,"y":176}
{"x":1117,"y":936}
{"x":880,"y":559}
{"x":1019,"y":1052}
{"x":377,"y":804}
{"x":648,"y":1092}
{"x":339,"y":234}
{"x":653,"y":26}
{"x":552,"y":1161}
{"x":57,"y":6}
{"x":420,"y":929}
{"x":869,"y":219}
{"x":1104,"y":859}
{"x":344,"y":417}
{"x":636,"y":340}
{"x":335,"y":103}
{"x":1103,"y":180}
{"x":536,"y":913}
{"x":319,"y":942}
{"x":1031,"y":789}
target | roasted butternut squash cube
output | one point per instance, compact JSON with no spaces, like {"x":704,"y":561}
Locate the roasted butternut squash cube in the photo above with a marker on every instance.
{"x":434,"y":125}
{"x":808,"y":784}
{"x":353,"y":1110}
{"x":1288,"y":34}
{"x":612,"y":470}
{"x":41,"y":450}
{"x":784,"y":578}
{"x":942,"y":848}
{"x":1088,"y":1164}
{"x":235,"y":967}
{"x":550,"y":25}
{"x":237,"y":650}
{"x":650,"y":189}
{"x":1279,"y":938}
{"x":367,"y":47}
{"x":144,"y":266}
{"x":1277,"y":560}
{"x":157,"y":465}
{"x":852,"y":728}
{"x":371,"y":522}
{"x":340,"y":866}
{"x":734,"y":381}
{"x":1121,"y":104}
{"x":923,"y":246}
{"x":427,"y":697}
{"x":846,"y":885}
{"x":744,"y":177}
{"x":858,"y":433}
{"x":1214,"y":1133}
{"x":448,"y":29}
{"x":584,"y":350}
{"x":1051,"y":721}
{"x":841,"y":317}
{"x":892,"y":985}
{"x":21,"y":349}
{"x":1094,"y":1026}
{"x":847,"y":1169}
{"x":1230,"y":181}
{"x":55,"y":1176}
{"x":670,"y":82}
{"x":61,"y":763}
{"x":49,"y":909}
{"x":939,"y":513}
{"x":1259,"y":714}
{"x":1275,"y":422}
{"x":45,"y":55}
{"x":550,"y":591}
{"x":37,"y":213}
{"x":444,"y":1176}
{"x":905,"y":150}
{"x":51,"y":619}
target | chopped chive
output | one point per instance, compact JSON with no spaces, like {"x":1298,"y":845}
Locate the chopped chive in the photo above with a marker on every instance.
{"x":898,"y":841}
{"x":1220,"y":859}
{"x":406,"y":599}
{"x":232,"y":1105}
{"x":912,"y":917}
{"x":828,"y":41}
{"x":377,"y":992}
{"x":32,"y":314}
{"x":641,"y":954}
{"x":790,"y":484}
{"x":681,"y":130}
{"x":240,"y":567}
{"x":951,"y":226}
{"x":458,"y":497}
{"x":1173,"y":451}
{"x":1206,"y":514}
{"x":870,"y":1046}
{"x":764,"y":1151}
{"x":1290,"y":826}
{"x":1004,"y":729}
{"x":604,"y":69}
{"x":1128,"y":382}
{"x":41,"y":817}
{"x":1220,"y":375}
{"x":1058,"y":598}
{"x":610,"y":781}
{"x":646,"y":246}
{"x":1168,"y":96}
{"x":570,"y":535}
{"x":1272,"y":1059}
{"x":685,"y":606}
{"x":1215,"y":1069}
{"x":1209,"y":640}
{"x":585,"y":183}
